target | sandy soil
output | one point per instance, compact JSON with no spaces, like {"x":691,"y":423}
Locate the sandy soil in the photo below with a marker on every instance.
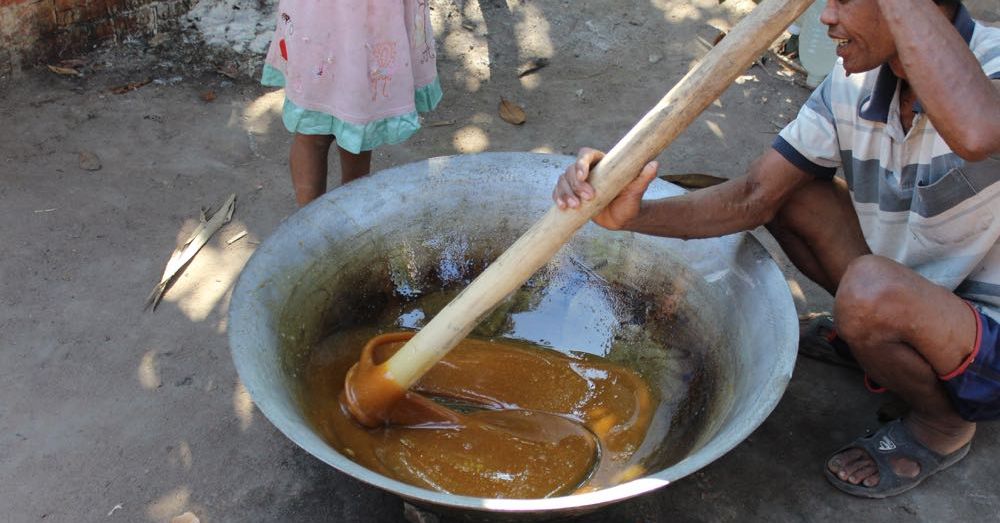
{"x":111,"y":413}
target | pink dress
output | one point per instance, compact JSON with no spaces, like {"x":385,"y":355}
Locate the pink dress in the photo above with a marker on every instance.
{"x":357,"y":69}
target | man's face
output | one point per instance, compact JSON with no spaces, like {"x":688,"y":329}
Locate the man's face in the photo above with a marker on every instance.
{"x":862,"y":36}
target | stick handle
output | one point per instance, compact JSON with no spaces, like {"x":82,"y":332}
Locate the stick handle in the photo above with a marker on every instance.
{"x":657,"y":129}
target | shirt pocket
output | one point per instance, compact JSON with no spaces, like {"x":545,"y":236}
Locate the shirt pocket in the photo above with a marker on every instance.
{"x":954,"y":210}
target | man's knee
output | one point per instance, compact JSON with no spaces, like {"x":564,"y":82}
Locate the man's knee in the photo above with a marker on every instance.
{"x":870,"y":297}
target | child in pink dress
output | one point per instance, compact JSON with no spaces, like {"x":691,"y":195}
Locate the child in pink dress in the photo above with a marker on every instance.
{"x":354,"y":71}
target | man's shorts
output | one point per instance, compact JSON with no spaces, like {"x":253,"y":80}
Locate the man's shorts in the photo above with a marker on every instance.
{"x":974,"y":386}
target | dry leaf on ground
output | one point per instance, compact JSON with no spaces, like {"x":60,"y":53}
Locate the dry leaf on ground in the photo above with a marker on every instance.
{"x":531,"y":66}
{"x":131,"y":86}
{"x":440,"y":123}
{"x":65,"y":71}
{"x":511,"y":112}
{"x":229,"y":71}
{"x":183,"y":253}
{"x":236,"y":238}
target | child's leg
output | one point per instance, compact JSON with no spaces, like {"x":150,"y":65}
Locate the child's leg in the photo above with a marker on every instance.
{"x":307,"y":162}
{"x":354,"y":166}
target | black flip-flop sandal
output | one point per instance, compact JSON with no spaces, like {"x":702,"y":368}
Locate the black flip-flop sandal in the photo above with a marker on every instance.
{"x":818,"y":340}
{"x":894,"y":440}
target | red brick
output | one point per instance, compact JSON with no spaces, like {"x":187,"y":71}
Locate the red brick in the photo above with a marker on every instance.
{"x":38,"y":30}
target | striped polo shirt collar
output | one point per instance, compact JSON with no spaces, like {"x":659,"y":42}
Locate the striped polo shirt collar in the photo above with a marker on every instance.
{"x":876,"y":107}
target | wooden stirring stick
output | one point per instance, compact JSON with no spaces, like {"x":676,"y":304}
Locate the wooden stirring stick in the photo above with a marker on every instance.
{"x":372,"y":391}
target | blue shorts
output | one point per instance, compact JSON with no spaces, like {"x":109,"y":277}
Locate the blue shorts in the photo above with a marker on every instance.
{"x":974,"y":386}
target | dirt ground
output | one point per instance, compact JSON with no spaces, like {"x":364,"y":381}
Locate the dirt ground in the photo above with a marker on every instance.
{"x":110,"y":413}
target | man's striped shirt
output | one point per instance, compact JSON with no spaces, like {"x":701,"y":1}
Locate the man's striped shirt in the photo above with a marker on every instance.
{"x":917,"y":201}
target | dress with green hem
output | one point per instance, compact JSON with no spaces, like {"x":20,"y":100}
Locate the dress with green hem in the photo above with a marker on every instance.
{"x":360,"y":71}
{"x":355,"y":137}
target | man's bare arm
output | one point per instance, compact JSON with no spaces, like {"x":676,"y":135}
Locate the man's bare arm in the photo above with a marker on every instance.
{"x":737,"y":205}
{"x":959,"y":98}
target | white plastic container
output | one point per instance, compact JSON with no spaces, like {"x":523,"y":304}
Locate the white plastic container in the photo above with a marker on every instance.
{"x":817,"y":51}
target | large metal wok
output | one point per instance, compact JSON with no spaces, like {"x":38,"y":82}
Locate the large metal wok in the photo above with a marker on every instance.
{"x":710,"y":323}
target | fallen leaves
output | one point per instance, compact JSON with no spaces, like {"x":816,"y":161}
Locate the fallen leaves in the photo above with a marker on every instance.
{"x":236,"y":238}
{"x":511,"y":112}
{"x":531,"y":66}
{"x":183,"y":254}
{"x":229,"y":70}
{"x":440,"y":123}
{"x":207,"y":96}
{"x":65,"y":71}
{"x":131,"y":86}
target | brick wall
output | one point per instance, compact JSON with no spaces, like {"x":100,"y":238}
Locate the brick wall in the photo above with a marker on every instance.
{"x":35,"y":31}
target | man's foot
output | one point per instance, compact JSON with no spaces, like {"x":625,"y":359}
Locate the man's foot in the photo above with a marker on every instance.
{"x":818,"y":340}
{"x":893,"y":460}
{"x":856,"y":467}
